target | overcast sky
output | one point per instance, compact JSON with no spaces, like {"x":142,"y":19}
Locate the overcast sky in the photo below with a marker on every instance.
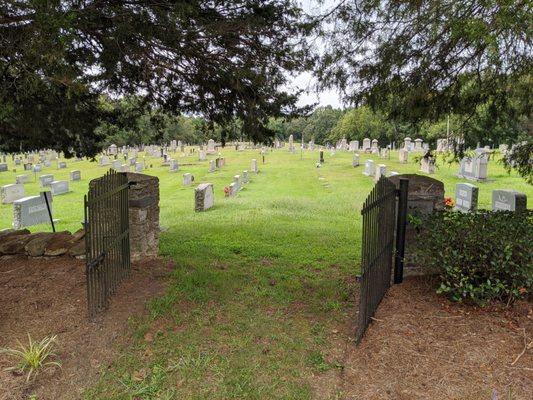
{"x":305,"y":81}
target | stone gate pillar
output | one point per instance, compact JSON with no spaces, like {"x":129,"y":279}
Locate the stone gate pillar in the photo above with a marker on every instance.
{"x":144,"y":215}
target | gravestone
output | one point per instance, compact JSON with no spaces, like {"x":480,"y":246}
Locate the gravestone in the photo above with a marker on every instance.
{"x":321,"y":160}
{"x":233,"y":189}
{"x":210,"y":146}
{"x":355,"y":160}
{"x":466,"y":197}
{"x":18,"y":161}
{"x":112,"y":150}
{"x":139,"y":167}
{"x":245,"y":178}
{"x":3,"y":167}
{"x":394,"y":173}
{"x":381,"y":170}
{"x":104,"y":160}
{"x":22,"y":179}
{"x":253,"y":166}
{"x":188,"y":179}
{"x":354,"y":145}
{"x":47,"y":163}
{"x":212,"y":166}
{"x":28,"y":167}
{"x":418,"y":145}
{"x":173,"y":165}
{"x":37,"y":168}
{"x":370,"y":169}
{"x":384,"y":153}
{"x":61,"y":165}
{"x":407,"y":144}
{"x":403,"y":155}
{"x":375,"y":145}
{"x":31,"y":210}
{"x":10,"y":193}
{"x":133,"y":160}
{"x":475,"y":167}
{"x":204,"y":197}
{"x":117,"y":165}
{"x":46,"y":180}
{"x":201,"y":155}
{"x":508,"y":200}
{"x":427,"y":165}
{"x":237,"y":181}
{"x":311,"y":145}
{"x":75,"y":175}
{"x":59,"y":187}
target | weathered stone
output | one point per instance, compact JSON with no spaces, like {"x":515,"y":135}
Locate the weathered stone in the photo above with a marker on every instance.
{"x":59,"y":244}
{"x":37,"y":244}
{"x":14,"y":245}
{"x":8,"y":233}
{"x":203,"y":197}
{"x":77,"y":250}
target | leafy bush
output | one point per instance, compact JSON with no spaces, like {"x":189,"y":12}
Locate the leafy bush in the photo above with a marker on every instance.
{"x":480,"y":256}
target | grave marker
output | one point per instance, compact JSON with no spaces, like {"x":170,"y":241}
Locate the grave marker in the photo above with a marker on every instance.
{"x":508,"y":200}
{"x":188,"y":179}
{"x":10,"y":193}
{"x":59,"y":187}
{"x":370,"y":169}
{"x":31,"y":210}
{"x":46,"y":180}
{"x":75,"y":175}
{"x":466,"y":197}
{"x":204,"y":197}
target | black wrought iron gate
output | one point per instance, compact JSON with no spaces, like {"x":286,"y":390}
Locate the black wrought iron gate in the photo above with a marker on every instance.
{"x":107,"y":241}
{"x":383,"y":221}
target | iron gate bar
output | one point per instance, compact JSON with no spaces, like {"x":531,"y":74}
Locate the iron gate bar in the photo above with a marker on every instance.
{"x":377,"y":249}
{"x":401,"y":223}
{"x":107,"y":238}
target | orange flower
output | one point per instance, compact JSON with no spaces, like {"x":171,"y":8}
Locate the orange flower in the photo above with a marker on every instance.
{"x":522,"y":290}
{"x":448,"y":202}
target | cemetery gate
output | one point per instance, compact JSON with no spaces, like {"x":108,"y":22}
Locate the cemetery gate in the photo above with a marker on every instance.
{"x":107,"y":239}
{"x":384,"y":222}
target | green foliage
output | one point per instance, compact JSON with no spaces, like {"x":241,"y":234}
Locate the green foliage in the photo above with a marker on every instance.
{"x":480,"y":256}
{"x":224,"y":60}
{"x":520,"y":157}
{"x":360,"y":123}
{"x":34,"y":356}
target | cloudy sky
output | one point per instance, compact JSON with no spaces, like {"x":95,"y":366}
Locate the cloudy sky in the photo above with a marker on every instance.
{"x":305,"y":81}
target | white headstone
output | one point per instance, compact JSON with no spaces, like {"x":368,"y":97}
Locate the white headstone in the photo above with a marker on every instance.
{"x":466,"y":197}
{"x":22,"y":179}
{"x":31,"y":210}
{"x":59,"y":187}
{"x":75,"y":175}
{"x":381,"y":170}
{"x":46,"y":180}
{"x":188,"y":179}
{"x":355,"y":161}
{"x":10,"y":193}
{"x":253,"y":166}
{"x":508,"y":200}
{"x":370,"y":169}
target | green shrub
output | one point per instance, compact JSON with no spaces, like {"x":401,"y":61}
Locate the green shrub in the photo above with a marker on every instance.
{"x":480,"y":256}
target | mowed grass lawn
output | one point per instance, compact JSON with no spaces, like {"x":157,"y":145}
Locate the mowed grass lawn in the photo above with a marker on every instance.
{"x":262,"y":282}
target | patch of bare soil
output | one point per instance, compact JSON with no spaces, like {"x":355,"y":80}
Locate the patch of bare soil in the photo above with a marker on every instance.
{"x":421,"y":346}
{"x":47,"y":296}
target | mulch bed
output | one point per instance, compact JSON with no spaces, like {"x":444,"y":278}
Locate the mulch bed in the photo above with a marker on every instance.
{"x":421,"y":346}
{"x":46,"y":296}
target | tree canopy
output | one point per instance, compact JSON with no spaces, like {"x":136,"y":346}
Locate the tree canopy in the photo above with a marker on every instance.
{"x":421,"y":60}
{"x":223,"y":59}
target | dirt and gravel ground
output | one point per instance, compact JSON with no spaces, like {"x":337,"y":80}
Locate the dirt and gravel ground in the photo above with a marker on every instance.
{"x":419,"y":346}
{"x":46,"y":297}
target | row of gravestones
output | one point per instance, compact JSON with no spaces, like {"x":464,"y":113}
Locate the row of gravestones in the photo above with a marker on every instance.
{"x":372,"y":170}
{"x":16,"y":193}
{"x":466,"y":199}
{"x":204,"y":197}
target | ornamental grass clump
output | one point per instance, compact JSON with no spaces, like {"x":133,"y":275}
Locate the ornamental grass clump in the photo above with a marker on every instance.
{"x":481,"y":257}
{"x":34,"y":356}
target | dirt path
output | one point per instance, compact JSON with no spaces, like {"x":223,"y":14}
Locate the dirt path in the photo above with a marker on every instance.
{"x":47,"y":297}
{"x":421,"y":346}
